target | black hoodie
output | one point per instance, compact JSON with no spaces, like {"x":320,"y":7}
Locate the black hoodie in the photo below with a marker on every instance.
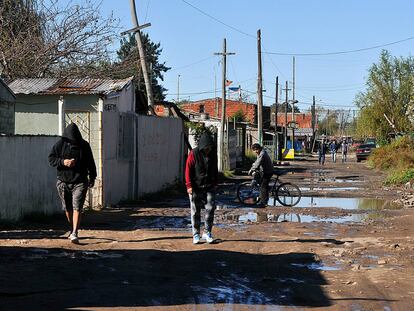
{"x":72,"y":146}
{"x":205,"y":171}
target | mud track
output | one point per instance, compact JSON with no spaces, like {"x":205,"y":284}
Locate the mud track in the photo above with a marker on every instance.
{"x":349,"y":249}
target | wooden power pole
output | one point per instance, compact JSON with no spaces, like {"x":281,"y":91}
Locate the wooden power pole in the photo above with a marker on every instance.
{"x":136,"y":29}
{"x":287,"y":89}
{"x":293,"y":106}
{"x":223,"y":163}
{"x":259,"y":89}
{"x":276,"y":139}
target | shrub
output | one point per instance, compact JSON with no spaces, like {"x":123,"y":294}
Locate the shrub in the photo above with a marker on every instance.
{"x":397,"y":158}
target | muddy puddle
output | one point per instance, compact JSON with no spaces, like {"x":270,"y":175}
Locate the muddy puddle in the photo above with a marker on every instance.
{"x":263,"y":217}
{"x":329,"y":188}
{"x":347,"y":203}
{"x":323,"y":202}
{"x":88,"y":255}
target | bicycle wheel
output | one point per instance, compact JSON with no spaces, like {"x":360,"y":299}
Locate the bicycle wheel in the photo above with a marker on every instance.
{"x":288,"y":194}
{"x":248,"y":194}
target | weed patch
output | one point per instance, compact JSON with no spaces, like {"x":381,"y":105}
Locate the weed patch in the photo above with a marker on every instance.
{"x":397,"y":159}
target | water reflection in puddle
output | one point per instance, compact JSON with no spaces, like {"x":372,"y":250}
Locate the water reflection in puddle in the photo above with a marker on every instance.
{"x":88,"y":255}
{"x":329,"y":188}
{"x":348,"y":203}
{"x":341,"y":203}
{"x":261,"y":217}
{"x":315,"y":266}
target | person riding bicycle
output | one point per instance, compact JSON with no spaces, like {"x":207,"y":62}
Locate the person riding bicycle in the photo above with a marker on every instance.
{"x":262,"y":171}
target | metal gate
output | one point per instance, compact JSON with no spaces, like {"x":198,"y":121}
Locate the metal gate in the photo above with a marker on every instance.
{"x":83,"y":121}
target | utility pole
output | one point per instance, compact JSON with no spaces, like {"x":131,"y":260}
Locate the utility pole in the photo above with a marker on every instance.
{"x":223,"y":104}
{"x":178,"y":89}
{"x":136,"y":29}
{"x":276,"y":113}
{"x":259,"y":89}
{"x":293,"y":106}
{"x":313,"y":121}
{"x":287,"y":89}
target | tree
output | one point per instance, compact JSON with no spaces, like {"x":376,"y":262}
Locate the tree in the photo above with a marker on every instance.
{"x":329,"y":124}
{"x":239,"y":116}
{"x":129,"y":65}
{"x":389,"y":92}
{"x":41,"y":38}
{"x":282,"y":108}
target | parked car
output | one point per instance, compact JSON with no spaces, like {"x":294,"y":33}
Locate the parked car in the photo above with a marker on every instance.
{"x":371,"y":140}
{"x":363,"y":151}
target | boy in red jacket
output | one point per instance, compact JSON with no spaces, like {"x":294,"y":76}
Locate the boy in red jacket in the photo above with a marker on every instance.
{"x":201,"y":181}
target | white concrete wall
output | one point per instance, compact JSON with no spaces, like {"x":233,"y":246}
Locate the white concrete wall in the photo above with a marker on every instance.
{"x":156,"y":160}
{"x":118,"y":174}
{"x":27,"y":182}
{"x":160,"y":152}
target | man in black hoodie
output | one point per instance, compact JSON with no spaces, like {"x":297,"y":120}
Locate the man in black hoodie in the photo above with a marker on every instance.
{"x":201,"y":180}
{"x":73,"y":158}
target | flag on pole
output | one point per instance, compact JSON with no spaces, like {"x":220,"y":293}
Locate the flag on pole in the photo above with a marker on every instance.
{"x":234,"y":88}
{"x":228,"y":82}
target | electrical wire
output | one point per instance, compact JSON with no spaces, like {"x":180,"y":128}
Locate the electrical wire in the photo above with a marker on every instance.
{"x":341,"y":52}
{"x":192,"y":64}
{"x":217,"y":20}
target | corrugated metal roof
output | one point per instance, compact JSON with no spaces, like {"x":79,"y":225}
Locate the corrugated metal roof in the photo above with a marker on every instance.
{"x":45,"y":86}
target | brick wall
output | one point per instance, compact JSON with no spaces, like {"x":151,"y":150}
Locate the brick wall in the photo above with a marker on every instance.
{"x":6,"y":118}
{"x":304,"y":120}
{"x":213,"y":108}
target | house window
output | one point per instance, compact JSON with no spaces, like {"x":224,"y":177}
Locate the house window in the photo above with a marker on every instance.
{"x":201,"y":109}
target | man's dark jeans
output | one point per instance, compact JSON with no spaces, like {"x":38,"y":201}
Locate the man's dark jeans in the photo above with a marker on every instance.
{"x":264,"y":188}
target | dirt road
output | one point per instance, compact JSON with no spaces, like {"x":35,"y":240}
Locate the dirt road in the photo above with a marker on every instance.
{"x":344,"y":247}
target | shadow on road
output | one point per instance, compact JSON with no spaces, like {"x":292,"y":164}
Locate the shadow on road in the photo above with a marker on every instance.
{"x":59,"y":279}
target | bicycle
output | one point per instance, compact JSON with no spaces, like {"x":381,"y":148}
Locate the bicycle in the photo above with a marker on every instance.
{"x":287,"y":194}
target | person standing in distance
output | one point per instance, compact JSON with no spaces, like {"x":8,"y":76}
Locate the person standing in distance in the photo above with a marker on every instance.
{"x":262,"y":167}
{"x":76,"y":172}
{"x":344,"y":150}
{"x":201,"y":181}
{"x":321,"y":152}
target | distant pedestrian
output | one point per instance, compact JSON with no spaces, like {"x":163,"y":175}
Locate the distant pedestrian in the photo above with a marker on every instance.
{"x":333,"y":147}
{"x":262,"y":171}
{"x":201,"y":176}
{"x":76,"y":171}
{"x":344,"y":150}
{"x":322,"y":152}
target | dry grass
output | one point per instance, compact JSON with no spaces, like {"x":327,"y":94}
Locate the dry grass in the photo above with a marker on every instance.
{"x":397,"y":159}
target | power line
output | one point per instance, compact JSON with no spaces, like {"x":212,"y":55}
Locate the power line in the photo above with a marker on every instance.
{"x":217,"y":20}
{"x":341,"y":52}
{"x":192,"y":64}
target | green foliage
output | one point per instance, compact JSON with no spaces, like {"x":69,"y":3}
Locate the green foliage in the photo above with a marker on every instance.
{"x":329,"y":124}
{"x":390,"y":91}
{"x":198,"y":128}
{"x":396,"y":158}
{"x":129,"y":65}
{"x":239,"y":115}
{"x":249,"y":158}
{"x":400,"y":177}
{"x":228,"y":174}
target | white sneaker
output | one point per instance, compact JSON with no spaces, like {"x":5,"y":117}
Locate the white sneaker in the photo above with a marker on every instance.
{"x":208,"y":237}
{"x":74,"y":238}
{"x":196,"y":239}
